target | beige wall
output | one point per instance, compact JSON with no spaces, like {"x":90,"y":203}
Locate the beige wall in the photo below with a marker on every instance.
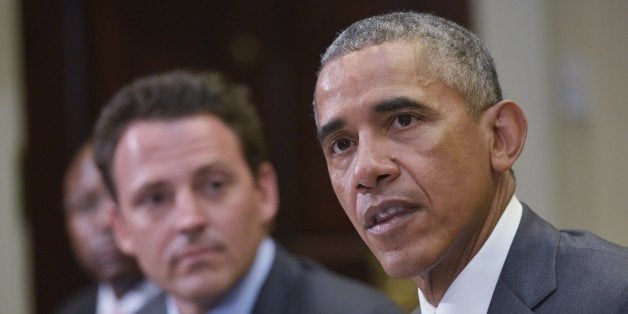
{"x":565,"y":62}
{"x":15,"y":278}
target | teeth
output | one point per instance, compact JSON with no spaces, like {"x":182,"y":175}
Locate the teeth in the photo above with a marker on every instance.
{"x":380,"y":216}
{"x":392,"y":210}
{"x":385,"y":214}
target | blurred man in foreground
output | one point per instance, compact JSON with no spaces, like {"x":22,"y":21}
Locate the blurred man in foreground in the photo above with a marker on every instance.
{"x":120,"y":287}
{"x":184,"y":157}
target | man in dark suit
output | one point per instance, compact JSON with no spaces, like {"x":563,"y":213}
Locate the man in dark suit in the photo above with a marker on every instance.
{"x":419,"y":145}
{"x":183,"y":156}
{"x":87,"y":208}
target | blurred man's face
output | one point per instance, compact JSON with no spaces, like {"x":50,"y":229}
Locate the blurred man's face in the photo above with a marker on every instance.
{"x":191,"y":210}
{"x":88,"y":212}
{"x":409,"y":164}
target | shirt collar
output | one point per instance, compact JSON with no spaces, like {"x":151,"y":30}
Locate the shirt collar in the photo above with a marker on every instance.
{"x":241,"y":298}
{"x":472,"y":290}
{"x":130,"y":302}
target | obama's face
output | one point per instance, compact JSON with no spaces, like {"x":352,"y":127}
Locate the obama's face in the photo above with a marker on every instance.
{"x":408,"y":162}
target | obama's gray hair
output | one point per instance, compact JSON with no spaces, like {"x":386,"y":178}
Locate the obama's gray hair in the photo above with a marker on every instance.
{"x":452,"y":53}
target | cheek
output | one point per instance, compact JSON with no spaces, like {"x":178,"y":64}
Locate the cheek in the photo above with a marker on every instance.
{"x":82,"y":248}
{"x":456,"y":179}
{"x":238,"y":222}
{"x":447,"y":157}
{"x":239,"y":205}
{"x":152,"y":253}
{"x":340,"y":177}
{"x":83,"y":235}
{"x":347,"y":200}
{"x":150,"y":240}
{"x":463,"y":165}
{"x":342,"y":189}
{"x":233,"y":227}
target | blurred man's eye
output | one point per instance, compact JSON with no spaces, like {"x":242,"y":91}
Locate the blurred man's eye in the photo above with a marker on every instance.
{"x":212,"y":185}
{"x":215,"y":185}
{"x":153,"y":200}
{"x":87,"y":204}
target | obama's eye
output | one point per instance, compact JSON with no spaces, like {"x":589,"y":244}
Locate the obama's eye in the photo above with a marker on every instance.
{"x":403,"y":120}
{"x":340,"y":145}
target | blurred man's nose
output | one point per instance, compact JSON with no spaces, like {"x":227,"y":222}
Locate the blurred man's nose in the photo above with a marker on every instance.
{"x":103,"y":213}
{"x":190,"y":216}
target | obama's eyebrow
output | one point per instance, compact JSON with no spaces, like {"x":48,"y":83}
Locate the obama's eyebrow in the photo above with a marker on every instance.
{"x":329,"y":128}
{"x":400,"y":103}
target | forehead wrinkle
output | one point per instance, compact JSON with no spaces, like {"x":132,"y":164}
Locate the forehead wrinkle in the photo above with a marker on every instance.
{"x":187,"y":160}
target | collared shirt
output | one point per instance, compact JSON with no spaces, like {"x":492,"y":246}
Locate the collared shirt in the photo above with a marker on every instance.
{"x":241,"y":298}
{"x":472,"y":290}
{"x":130,"y":302}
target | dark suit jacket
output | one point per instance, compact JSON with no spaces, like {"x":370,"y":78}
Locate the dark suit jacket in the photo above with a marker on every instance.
{"x":84,"y":302}
{"x":296,"y":285}
{"x":552,"y":271}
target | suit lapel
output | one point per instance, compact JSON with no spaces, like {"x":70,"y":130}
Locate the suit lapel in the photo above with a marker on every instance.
{"x":529,"y":273}
{"x":156,"y":305}
{"x":278,"y":293}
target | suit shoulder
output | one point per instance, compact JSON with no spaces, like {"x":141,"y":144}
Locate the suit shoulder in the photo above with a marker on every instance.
{"x":593,"y":254}
{"x":588,"y":242}
{"x":585,"y":260}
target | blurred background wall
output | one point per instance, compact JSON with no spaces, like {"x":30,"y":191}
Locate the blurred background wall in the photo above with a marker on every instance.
{"x":563,"y":61}
{"x":15,"y":259}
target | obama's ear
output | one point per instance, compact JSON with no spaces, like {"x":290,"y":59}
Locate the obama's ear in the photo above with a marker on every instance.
{"x":509,"y":128}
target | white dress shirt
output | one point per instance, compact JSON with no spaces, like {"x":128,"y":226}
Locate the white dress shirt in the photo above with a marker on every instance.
{"x":130,"y":302}
{"x":472,"y":290}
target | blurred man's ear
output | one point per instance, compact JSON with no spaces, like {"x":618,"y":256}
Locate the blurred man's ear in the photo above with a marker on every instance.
{"x":120,"y":232}
{"x":509,"y":128}
{"x":266,"y":182}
